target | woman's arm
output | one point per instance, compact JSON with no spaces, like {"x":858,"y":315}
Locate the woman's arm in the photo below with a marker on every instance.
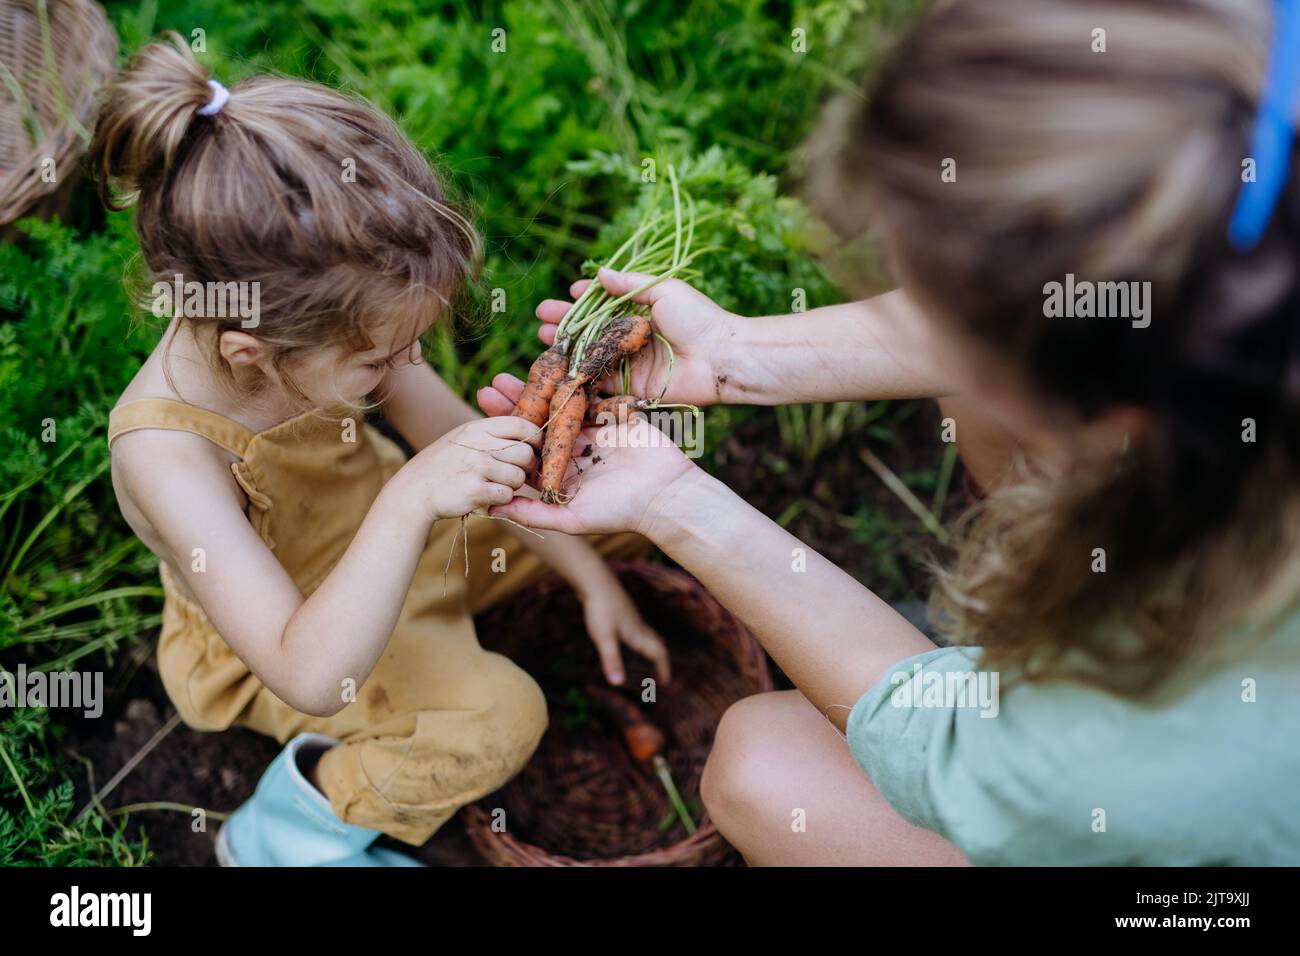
{"x":878,"y":348}
{"x":830,"y":635}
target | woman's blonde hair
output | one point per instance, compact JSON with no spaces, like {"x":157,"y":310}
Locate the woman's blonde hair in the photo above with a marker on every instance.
{"x":309,"y":192}
{"x":1009,"y":143}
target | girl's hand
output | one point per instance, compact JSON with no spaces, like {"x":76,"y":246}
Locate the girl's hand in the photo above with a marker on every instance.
{"x":475,"y":465}
{"x":700,"y":333}
{"x":612,"y":619}
{"x":614,"y":485}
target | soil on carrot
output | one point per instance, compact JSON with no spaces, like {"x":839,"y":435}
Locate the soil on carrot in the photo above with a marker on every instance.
{"x":835,"y":504}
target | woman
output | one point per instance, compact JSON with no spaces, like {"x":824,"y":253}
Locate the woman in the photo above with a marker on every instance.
{"x":1130,"y":579}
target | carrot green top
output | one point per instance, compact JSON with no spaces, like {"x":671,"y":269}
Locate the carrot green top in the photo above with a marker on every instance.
{"x":1204,"y":772}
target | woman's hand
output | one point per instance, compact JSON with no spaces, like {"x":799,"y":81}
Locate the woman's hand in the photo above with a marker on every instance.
{"x":612,"y":619}
{"x":700,"y":333}
{"x":614,"y":485}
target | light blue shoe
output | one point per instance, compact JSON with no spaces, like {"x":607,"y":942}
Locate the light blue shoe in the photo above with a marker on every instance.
{"x":288,"y":822}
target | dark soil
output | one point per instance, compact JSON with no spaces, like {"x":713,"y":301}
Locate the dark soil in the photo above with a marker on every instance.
{"x":215,"y":771}
{"x":835,"y":504}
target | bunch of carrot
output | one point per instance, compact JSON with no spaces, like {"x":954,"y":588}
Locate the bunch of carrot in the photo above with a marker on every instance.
{"x":599,"y":332}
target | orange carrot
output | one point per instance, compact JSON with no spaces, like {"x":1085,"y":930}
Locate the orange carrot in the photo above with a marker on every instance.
{"x":643,"y":739}
{"x":625,"y":335}
{"x":543,"y":378}
{"x":567,"y":409}
{"x":616,"y":408}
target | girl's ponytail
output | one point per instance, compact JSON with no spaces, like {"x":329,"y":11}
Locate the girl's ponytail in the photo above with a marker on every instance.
{"x":307,"y":194}
{"x":146,"y":116}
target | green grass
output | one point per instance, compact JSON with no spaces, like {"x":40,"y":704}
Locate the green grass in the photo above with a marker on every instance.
{"x":548,"y":141}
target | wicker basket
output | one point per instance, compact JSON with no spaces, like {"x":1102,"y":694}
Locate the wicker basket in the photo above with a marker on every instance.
{"x":54,"y":57}
{"x":583,"y":800}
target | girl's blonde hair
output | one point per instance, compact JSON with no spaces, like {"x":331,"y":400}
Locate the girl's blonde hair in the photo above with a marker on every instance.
{"x":311,"y":193}
{"x":1105,"y":139}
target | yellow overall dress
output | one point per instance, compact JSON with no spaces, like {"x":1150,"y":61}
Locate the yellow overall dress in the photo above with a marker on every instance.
{"x":440,"y":722}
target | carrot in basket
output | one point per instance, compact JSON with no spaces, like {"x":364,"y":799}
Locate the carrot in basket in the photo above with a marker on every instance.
{"x":645,"y":742}
{"x":643,"y":738}
{"x":568,"y":407}
{"x":543,"y":378}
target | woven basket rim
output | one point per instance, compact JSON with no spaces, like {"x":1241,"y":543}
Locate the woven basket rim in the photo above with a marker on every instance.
{"x":85,"y":49}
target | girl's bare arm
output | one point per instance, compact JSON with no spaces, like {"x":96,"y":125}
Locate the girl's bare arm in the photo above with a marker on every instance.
{"x":304,"y":650}
{"x":420,"y":405}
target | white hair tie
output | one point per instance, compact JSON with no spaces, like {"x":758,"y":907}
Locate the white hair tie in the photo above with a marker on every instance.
{"x":219,"y":96}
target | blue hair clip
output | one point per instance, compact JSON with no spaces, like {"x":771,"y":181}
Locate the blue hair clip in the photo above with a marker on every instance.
{"x":1271,"y":139}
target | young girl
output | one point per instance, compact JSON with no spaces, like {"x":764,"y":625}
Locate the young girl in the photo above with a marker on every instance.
{"x":303,"y":558}
{"x":1135,"y":584}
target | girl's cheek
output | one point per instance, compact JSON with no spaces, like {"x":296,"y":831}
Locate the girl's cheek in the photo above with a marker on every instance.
{"x":352,"y":385}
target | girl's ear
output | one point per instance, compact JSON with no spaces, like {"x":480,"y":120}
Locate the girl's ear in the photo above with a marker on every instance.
{"x":240,"y":349}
